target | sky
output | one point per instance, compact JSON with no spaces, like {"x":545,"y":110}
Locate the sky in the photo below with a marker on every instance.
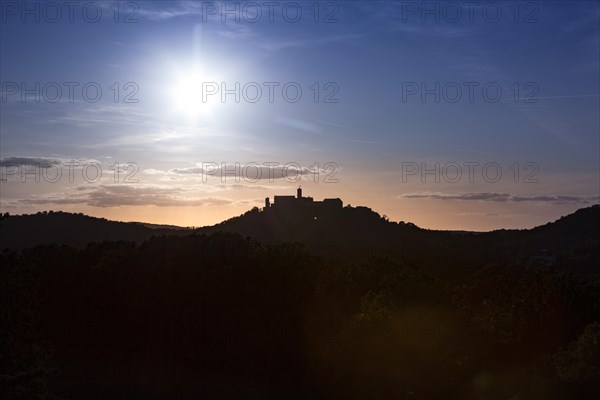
{"x":451,"y":115}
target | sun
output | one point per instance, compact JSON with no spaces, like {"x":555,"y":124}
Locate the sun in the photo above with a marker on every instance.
{"x":188,"y":95}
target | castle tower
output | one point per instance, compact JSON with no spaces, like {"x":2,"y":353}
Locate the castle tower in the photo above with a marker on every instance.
{"x":267,"y":202}
{"x":299,"y":192}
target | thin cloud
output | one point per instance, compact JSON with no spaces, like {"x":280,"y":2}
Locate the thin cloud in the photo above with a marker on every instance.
{"x":39,"y":162}
{"x":43,"y":162}
{"x":251,"y":171}
{"x":238,"y":186}
{"x":275,"y":45}
{"x":177,"y":10}
{"x":128,"y":195}
{"x":505,"y":197}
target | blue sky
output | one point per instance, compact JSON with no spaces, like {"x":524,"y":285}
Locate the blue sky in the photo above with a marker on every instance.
{"x":365,"y":58}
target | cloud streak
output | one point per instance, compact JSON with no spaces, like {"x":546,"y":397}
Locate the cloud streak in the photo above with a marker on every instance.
{"x":128,"y":195}
{"x":251,"y":172}
{"x":39,"y":162}
{"x":505,"y":197}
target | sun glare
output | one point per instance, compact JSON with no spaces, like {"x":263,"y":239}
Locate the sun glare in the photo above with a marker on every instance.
{"x":191,"y":95}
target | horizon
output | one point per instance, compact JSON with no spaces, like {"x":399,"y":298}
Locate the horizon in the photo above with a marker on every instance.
{"x":190,"y":113}
{"x":262,"y":210}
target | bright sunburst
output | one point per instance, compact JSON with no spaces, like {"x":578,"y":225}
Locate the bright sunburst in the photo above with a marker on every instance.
{"x":190,"y":94}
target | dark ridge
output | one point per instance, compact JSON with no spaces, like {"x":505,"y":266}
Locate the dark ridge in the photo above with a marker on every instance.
{"x":77,"y":230}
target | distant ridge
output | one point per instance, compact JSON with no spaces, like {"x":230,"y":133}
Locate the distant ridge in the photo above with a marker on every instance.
{"x":350,"y":232}
{"x":342,"y":233}
{"x":77,"y":230}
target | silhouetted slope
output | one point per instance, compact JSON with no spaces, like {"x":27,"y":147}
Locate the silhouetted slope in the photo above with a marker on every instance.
{"x":574,"y":240}
{"x":346,"y":233}
{"x":328,"y":231}
{"x":22,"y":231}
{"x":583,"y":223}
{"x":385,"y":308}
{"x":358,"y":231}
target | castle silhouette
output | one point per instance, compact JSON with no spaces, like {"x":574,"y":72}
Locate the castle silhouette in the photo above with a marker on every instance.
{"x":299,"y":203}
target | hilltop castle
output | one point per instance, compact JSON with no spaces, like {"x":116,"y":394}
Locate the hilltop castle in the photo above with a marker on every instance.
{"x":301,"y":203}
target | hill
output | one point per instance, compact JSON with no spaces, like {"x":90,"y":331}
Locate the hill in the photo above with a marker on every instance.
{"x":384,"y":309}
{"x":77,"y":230}
{"x":345,"y":233}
